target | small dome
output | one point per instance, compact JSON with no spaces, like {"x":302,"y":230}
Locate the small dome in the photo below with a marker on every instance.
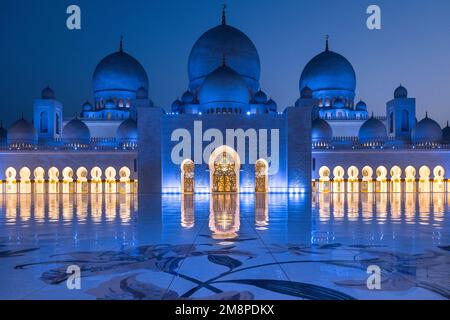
{"x":260,"y":97}
{"x":110,"y":104}
{"x":76,"y":132}
{"x":446,"y":134}
{"x":272,"y":105}
{"x":127,"y":132}
{"x":224,"y":85}
{"x":339,"y":104}
{"x":321,"y":131}
{"x":187,"y":97}
{"x":401,"y":93}
{"x":22,"y":132}
{"x":361,"y":106}
{"x":306,"y":93}
{"x":426,"y":131}
{"x":87,"y":106}
{"x":372,"y":131}
{"x":142,"y":93}
{"x":176,"y":105}
{"x":47,"y":93}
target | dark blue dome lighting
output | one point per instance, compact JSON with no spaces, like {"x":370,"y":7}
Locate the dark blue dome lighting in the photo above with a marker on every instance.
{"x":22,"y":132}
{"x":329,"y":71}
{"x":118,"y":75}
{"x":127,"y":132}
{"x":321,"y":131}
{"x":209,"y":49}
{"x":426,"y":131}
{"x":76,"y":132}
{"x":224,"y":87}
{"x":400,"y":93}
{"x":361,"y":106}
{"x":372,"y":131}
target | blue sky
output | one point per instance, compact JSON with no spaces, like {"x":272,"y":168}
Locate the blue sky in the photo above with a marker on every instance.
{"x":412,"y":48}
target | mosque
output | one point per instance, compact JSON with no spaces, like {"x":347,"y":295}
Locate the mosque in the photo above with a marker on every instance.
{"x":224,"y":135}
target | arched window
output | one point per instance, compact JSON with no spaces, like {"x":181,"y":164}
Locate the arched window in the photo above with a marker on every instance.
{"x":405,"y":121}
{"x":43,"y":122}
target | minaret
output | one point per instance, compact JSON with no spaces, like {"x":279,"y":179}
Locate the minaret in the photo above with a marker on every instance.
{"x":400,"y":115}
{"x":47,"y":116}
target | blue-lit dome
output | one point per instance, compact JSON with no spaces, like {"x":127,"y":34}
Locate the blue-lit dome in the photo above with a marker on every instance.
{"x":321,"y":131}
{"x":208,"y":50}
{"x":224,"y":85}
{"x":76,"y":132}
{"x":87,"y":106}
{"x":119,"y":74}
{"x":372,"y":131}
{"x":22,"y":132}
{"x":446,"y":134}
{"x":187,"y":97}
{"x":272,"y":105}
{"x":47,"y":93}
{"x":306,"y":93}
{"x":401,"y":93}
{"x":361,"y":106}
{"x":329,"y":71}
{"x":142,"y":93}
{"x":127,"y":132}
{"x":260,"y":97}
{"x":176,"y":105}
{"x":426,"y":131}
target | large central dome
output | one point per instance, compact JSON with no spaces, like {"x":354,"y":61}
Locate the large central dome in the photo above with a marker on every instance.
{"x":206,"y":56}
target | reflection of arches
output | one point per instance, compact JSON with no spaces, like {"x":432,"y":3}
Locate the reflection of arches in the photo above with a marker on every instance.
{"x":338,"y":179}
{"x":11,"y":183}
{"x":25,"y":183}
{"x":381,"y":181}
{"x":82,"y":181}
{"x":353,"y":180}
{"x":261,"y":211}
{"x":396,"y":179}
{"x":424,"y":179}
{"x":438,"y":181}
{"x":367,"y":180}
{"x":187,"y":176}
{"x":110,"y":182}
{"x":39,"y":180}
{"x":224,"y":220}
{"x":96,"y":180}
{"x":224,"y":166}
{"x":67,"y":186}
{"x":187,"y":211}
{"x":125,"y":184}
{"x":324,"y":179}
{"x":53,"y":180}
{"x":410,"y":179}
{"x":261,"y":176}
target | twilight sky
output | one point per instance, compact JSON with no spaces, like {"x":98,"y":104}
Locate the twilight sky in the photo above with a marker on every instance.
{"x":412,"y":48}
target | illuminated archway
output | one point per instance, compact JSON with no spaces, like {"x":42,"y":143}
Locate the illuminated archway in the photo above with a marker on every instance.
{"x":25,"y":182}
{"x":67,"y":184}
{"x":187,"y":176}
{"x":338,"y":179}
{"x":261,"y":176}
{"x":424,"y":179}
{"x":367,"y":180}
{"x":224,"y":166}
{"x":353,"y":179}
{"x":439,"y":180}
{"x":381,"y":180}
{"x":39,"y":180}
{"x":96,"y":180}
{"x":11,"y":183}
{"x":82,"y":181}
{"x":324,"y":179}
{"x":410,"y":179}
{"x":125,"y":182}
{"x":53,"y":180}
{"x":396,"y":179}
{"x":110,"y":182}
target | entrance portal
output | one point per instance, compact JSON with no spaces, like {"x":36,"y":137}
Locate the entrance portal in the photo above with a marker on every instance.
{"x":224,"y":165}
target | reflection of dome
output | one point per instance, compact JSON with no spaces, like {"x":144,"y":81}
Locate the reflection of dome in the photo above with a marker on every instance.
{"x":127,"y":132}
{"x":372,"y":131}
{"x":87,"y":106}
{"x":306,"y":93}
{"x":76,"y":132}
{"x":260,"y":97}
{"x":446,"y":134}
{"x":426,"y":131}
{"x":224,"y":85}
{"x":321,"y":131}
{"x":328,"y":71}
{"x":119,"y":72}
{"x":47,"y":93}
{"x":209,"y":49}
{"x":22,"y":132}
{"x":400,"y":93}
{"x":187,"y":97}
{"x":361,"y":106}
